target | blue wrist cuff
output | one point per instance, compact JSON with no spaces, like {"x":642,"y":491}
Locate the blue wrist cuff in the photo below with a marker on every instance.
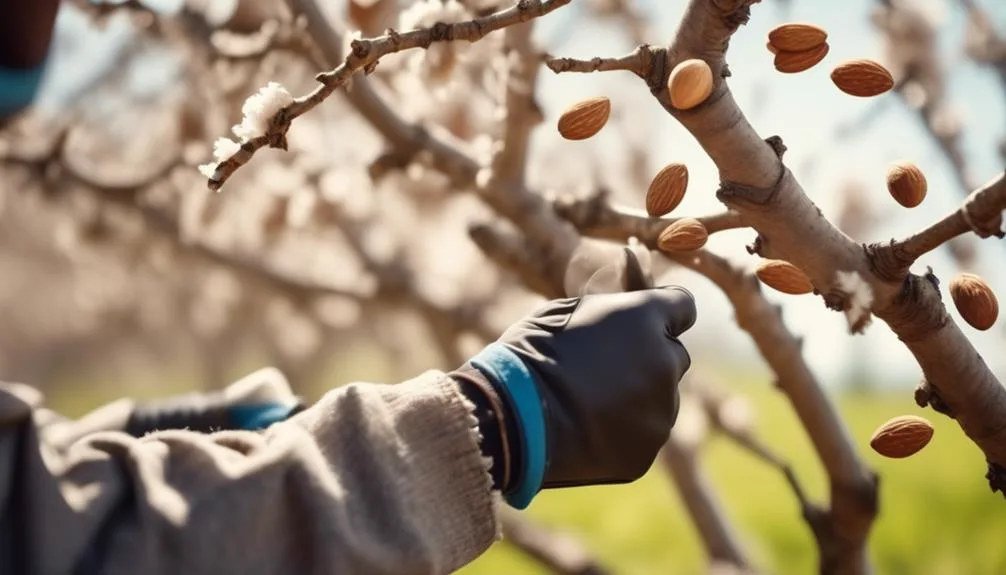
{"x":18,"y":88}
{"x":504,"y":367}
{"x":258,"y":416}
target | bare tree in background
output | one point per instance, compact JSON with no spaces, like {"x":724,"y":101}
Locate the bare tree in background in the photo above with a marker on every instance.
{"x":379,"y":167}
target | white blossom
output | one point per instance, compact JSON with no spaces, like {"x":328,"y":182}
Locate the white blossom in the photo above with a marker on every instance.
{"x":209,"y":170}
{"x":223,"y":149}
{"x":859,"y":293}
{"x":259,"y":109}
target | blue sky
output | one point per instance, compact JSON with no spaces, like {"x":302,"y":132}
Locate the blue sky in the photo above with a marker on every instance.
{"x":804,"y":109}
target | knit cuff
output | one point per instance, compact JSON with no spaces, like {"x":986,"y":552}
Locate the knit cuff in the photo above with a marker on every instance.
{"x":454,"y":492}
{"x":503,"y":366}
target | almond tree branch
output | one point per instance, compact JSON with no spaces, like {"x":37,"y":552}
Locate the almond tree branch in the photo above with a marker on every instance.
{"x":637,"y":62}
{"x":596,"y":217}
{"x":697,"y":495}
{"x":981,"y":213}
{"x":516,"y":253}
{"x":364,"y":55}
{"x":984,"y":44}
{"x":714,"y":402}
{"x":853,"y":485}
{"x":161,"y":223}
{"x":558,"y":551}
{"x":756,"y":183}
{"x":509,"y":162}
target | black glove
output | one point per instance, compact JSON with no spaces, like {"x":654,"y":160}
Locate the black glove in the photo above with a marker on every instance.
{"x":254,"y":402}
{"x":583,"y":391}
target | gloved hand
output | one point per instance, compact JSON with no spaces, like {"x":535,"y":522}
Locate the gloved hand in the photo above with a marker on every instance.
{"x":583,"y":391}
{"x":253,"y":402}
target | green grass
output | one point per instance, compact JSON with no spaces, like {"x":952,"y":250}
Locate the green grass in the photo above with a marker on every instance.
{"x":937,"y":515}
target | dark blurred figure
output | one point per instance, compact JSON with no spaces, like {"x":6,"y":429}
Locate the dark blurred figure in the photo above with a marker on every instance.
{"x":26,"y":32}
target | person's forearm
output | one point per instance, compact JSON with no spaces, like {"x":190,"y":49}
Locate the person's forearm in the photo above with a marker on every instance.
{"x":371,"y":479}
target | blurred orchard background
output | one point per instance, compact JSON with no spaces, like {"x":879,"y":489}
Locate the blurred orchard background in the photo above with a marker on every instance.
{"x":95,"y":305}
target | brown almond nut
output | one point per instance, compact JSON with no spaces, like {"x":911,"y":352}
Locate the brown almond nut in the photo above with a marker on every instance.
{"x":783,"y":276}
{"x":901,"y":436}
{"x":667,"y":190}
{"x":584,"y":119}
{"x":862,"y":78}
{"x":684,"y":235}
{"x":975,"y":301}
{"x":771,"y":48}
{"x":797,"y":37}
{"x":690,"y":83}
{"x":907,"y":184}
{"x":795,"y":62}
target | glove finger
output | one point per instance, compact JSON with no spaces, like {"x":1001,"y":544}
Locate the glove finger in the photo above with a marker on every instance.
{"x":677,"y":306}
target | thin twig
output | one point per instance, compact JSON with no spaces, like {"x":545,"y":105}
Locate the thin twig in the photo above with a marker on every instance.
{"x":638,"y":62}
{"x":593,"y":215}
{"x":981,"y":213}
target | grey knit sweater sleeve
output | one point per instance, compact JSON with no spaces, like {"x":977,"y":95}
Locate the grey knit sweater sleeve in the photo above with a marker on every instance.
{"x":372,"y":479}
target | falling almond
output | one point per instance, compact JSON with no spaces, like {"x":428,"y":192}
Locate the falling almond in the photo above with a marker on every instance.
{"x":902,"y":436}
{"x":667,"y":190}
{"x":584,"y":119}
{"x":797,"y":37}
{"x":975,"y":301}
{"x":684,"y":235}
{"x":907,"y":184}
{"x":783,"y":276}
{"x":862,"y":78}
{"x":796,"y":62}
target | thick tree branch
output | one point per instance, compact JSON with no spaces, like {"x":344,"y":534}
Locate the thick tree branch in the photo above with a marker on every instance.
{"x":514,"y":252}
{"x":522,"y":112}
{"x":697,"y":495}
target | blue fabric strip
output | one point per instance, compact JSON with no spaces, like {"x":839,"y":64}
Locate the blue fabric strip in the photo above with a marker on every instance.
{"x":18,"y":88}
{"x":506,"y":368}
{"x":258,"y":416}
